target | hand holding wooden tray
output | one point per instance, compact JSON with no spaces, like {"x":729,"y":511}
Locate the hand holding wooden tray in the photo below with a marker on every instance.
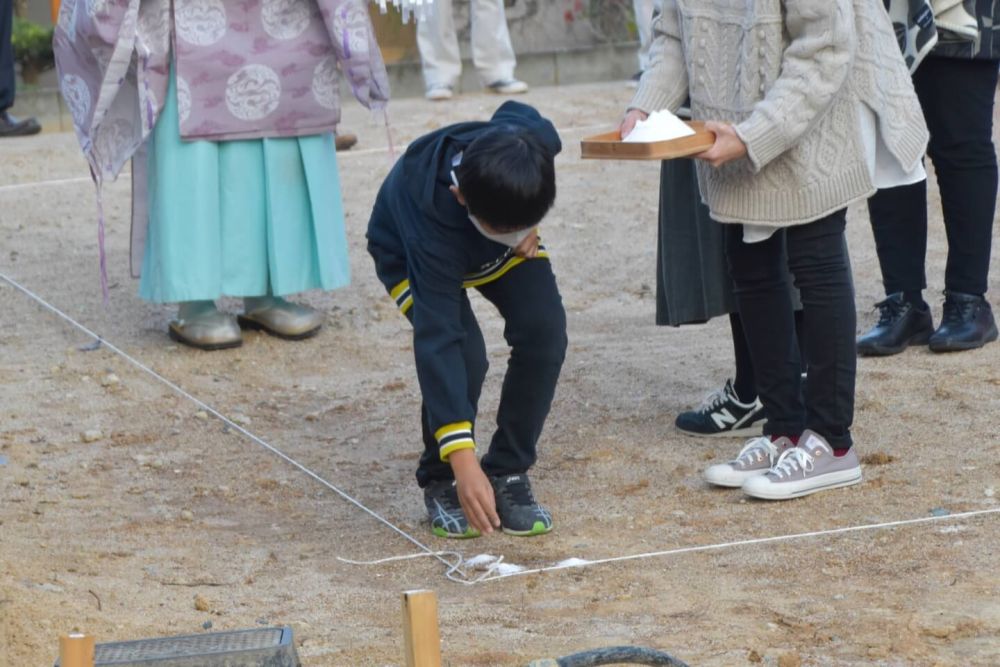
{"x":609,"y":146}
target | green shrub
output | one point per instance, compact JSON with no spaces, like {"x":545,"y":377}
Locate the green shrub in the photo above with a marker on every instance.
{"x":32,"y":44}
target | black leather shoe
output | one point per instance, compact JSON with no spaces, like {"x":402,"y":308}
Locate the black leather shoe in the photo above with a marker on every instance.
{"x":14,"y":127}
{"x":900,"y":324}
{"x":967,"y":323}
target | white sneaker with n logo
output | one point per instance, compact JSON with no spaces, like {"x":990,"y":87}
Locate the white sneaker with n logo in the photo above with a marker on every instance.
{"x":722,"y":414}
{"x":805,"y":469}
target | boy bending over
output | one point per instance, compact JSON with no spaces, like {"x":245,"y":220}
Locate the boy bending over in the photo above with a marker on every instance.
{"x":460,"y":210}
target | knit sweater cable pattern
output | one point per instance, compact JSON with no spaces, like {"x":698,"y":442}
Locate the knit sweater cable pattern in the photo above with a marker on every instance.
{"x":790,"y":76}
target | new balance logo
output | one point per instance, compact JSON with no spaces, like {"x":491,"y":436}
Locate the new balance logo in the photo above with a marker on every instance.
{"x":721,"y":413}
{"x":723,"y":418}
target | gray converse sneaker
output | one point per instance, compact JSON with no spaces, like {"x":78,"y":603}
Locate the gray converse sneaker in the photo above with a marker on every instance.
{"x":805,"y":469}
{"x":445,"y":511}
{"x":755,"y":459}
{"x":516,"y":506}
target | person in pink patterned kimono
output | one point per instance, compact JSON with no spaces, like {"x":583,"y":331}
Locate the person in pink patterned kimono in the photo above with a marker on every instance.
{"x":226,"y":109}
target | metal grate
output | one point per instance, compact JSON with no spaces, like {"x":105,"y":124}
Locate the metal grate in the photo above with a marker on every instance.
{"x":262,"y":647}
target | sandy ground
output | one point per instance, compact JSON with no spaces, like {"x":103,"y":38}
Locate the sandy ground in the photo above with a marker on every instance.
{"x":117,"y":536}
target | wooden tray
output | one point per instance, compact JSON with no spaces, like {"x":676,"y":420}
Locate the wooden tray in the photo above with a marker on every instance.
{"x":609,"y":146}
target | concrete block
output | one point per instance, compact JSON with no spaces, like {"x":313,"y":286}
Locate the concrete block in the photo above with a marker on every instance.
{"x":611,"y":62}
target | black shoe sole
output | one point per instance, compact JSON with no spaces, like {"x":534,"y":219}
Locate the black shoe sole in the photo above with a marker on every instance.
{"x":29,"y":131}
{"x":963,"y":346}
{"x":876,"y":350}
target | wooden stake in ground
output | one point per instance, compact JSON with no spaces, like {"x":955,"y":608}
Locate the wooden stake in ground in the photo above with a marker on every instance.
{"x":420,"y":629}
{"x":76,"y":650}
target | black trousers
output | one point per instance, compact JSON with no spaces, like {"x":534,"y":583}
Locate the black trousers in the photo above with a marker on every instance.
{"x":535,"y":330}
{"x":818,"y":260}
{"x":7,"y":83}
{"x":957,"y":99}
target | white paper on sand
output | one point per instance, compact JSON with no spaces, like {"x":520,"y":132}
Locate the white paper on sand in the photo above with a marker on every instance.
{"x":660,"y":126}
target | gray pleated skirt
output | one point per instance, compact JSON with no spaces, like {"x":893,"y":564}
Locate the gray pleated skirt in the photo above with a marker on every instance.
{"x":692,"y":279}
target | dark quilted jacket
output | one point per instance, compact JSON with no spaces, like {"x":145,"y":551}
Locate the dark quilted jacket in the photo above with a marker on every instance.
{"x":987,"y":13}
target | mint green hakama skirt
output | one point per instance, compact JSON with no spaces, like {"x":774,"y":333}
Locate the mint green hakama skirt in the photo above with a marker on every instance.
{"x":241,"y":218}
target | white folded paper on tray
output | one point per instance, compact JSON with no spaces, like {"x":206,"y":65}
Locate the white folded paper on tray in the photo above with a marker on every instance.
{"x":660,"y":126}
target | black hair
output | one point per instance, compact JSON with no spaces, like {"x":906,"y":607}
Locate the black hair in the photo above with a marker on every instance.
{"x":508,"y":179}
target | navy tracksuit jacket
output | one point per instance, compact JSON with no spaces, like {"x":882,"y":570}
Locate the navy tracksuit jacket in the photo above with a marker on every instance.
{"x":427,"y":253}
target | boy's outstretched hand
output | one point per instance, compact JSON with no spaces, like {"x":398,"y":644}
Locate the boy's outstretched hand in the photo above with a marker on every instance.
{"x":475,"y":492}
{"x":727,"y":147}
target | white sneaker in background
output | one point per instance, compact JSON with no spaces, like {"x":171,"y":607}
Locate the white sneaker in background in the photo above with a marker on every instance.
{"x":439,"y":92}
{"x":508,"y":87}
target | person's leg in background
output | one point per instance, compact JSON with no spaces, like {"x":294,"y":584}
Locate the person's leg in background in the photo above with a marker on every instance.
{"x":768,"y":317}
{"x":7,"y":80}
{"x":644,"y":27}
{"x":817,"y":257}
{"x":744,"y":380}
{"x":9,"y":125}
{"x":961,"y":148}
{"x":823,"y":457}
{"x":733,"y":410}
{"x":440,"y":56}
{"x":492,"y":51}
{"x":764,"y":301}
{"x":899,"y":223}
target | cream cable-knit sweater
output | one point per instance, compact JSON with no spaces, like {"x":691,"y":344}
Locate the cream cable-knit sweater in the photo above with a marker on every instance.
{"x":789,"y":75}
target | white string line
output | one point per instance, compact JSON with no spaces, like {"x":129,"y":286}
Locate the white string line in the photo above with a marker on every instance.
{"x":456,"y":566}
{"x":41,"y":184}
{"x":494,"y":564}
{"x":449,"y":574}
{"x":739,"y":543}
{"x":453,"y":567}
{"x":345,"y":154}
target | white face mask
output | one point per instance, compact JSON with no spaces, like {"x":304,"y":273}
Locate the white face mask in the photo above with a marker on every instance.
{"x":509,"y":239}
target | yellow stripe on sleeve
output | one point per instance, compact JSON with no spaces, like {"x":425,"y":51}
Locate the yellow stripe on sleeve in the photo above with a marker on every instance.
{"x":501,"y":270}
{"x":448,"y":429}
{"x":399,"y":289}
{"x":455,"y":446}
